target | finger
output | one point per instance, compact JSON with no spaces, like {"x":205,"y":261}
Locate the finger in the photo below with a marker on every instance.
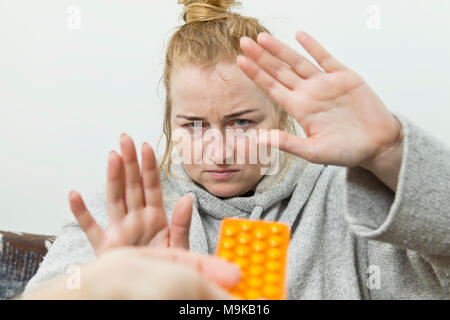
{"x":218,"y":270}
{"x":181,"y":223}
{"x":150,"y":178}
{"x":134,"y":195}
{"x":275,"y":90}
{"x":115,"y":204}
{"x":275,"y":67}
{"x":302,"y":147}
{"x":301,"y":65}
{"x":87,"y":223}
{"x":318,"y":52}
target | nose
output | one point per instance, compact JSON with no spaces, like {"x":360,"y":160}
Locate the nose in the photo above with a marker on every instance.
{"x":219,"y":151}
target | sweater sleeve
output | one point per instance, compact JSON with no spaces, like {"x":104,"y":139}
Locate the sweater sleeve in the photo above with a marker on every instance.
{"x":417,"y":216}
{"x":70,"y":250}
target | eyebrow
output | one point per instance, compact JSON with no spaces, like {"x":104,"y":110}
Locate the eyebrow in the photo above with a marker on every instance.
{"x":232,"y":115}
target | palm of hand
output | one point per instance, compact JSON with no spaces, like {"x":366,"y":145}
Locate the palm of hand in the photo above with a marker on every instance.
{"x":145,"y":227}
{"x":134,"y":204}
{"x":344,"y":120}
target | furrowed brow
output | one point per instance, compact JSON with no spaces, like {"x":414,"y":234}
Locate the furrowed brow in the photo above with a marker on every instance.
{"x":232,"y":115}
{"x":240,"y":113}
{"x":191,"y":118}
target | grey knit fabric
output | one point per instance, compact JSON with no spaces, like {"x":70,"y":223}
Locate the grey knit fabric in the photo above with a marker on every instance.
{"x":351,"y":236}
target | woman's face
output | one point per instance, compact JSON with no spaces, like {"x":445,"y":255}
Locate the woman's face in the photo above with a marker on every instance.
{"x":221,"y":101}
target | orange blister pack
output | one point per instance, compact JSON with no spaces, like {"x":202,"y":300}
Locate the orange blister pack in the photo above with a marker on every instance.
{"x":259,"y":248}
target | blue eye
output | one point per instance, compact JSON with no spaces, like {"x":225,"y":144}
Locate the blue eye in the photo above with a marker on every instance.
{"x":195,"y":124}
{"x":242,"y":123}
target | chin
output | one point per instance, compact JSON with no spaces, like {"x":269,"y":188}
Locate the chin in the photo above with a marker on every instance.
{"x":224,"y":191}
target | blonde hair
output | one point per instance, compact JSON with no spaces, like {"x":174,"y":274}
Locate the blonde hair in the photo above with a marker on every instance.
{"x":211,"y":35}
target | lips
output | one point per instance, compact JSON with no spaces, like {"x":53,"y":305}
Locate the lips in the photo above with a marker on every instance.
{"x":221,"y":174}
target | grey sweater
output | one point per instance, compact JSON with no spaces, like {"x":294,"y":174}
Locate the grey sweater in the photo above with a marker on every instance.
{"x":351,"y":236}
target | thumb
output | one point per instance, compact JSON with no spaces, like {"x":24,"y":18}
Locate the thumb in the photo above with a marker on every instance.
{"x":181,"y":223}
{"x":221,"y":272}
{"x":302,"y":147}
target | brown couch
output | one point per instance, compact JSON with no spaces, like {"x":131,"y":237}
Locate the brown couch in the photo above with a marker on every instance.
{"x":20,"y":257}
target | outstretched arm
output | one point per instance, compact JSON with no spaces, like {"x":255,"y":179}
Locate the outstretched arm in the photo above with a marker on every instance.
{"x":397,"y":181}
{"x":345,"y":122}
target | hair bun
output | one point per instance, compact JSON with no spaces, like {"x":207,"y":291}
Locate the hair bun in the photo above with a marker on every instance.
{"x":206,"y":10}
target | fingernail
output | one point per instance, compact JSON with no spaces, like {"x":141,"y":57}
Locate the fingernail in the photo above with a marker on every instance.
{"x":264,"y":35}
{"x":302,"y":35}
{"x":236,"y":272}
{"x":244,"y":39}
{"x":240,"y":58}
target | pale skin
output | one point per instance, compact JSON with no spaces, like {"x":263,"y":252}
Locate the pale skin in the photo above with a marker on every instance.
{"x":345,"y":123}
{"x":146,"y":273}
{"x":134,"y":201}
{"x":220,"y":99}
{"x":134,"y":205}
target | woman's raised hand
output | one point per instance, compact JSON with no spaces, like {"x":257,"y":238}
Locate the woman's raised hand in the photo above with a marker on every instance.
{"x":344,"y":120}
{"x":134,"y":204}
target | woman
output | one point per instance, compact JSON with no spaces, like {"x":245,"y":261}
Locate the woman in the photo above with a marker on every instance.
{"x":368,"y":215}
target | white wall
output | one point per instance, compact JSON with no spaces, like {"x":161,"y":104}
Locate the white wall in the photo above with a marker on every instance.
{"x":66,"y":95}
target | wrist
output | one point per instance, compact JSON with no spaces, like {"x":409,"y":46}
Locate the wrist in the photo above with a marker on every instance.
{"x":386,"y":163}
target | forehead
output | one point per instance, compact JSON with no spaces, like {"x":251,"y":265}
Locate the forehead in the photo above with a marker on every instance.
{"x":223,"y":90}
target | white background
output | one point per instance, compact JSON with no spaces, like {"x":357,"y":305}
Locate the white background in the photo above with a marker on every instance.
{"x":66,"y":95}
